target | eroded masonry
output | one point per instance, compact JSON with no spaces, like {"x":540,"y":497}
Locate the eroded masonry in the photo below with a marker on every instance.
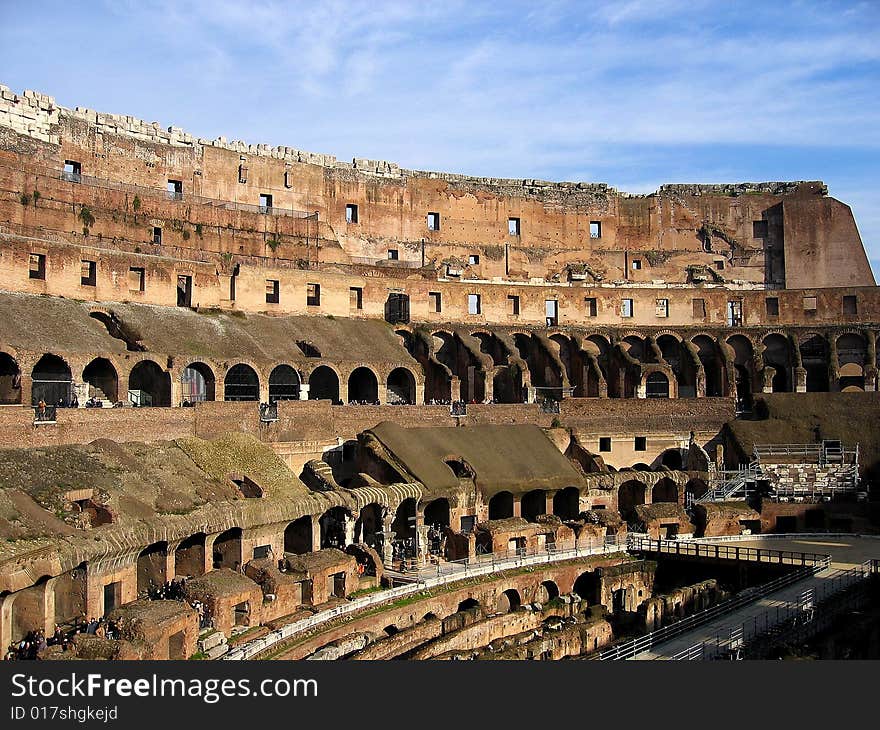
{"x":242,"y":385}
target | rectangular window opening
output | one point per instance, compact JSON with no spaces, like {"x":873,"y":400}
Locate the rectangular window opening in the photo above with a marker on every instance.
{"x":662,"y":307}
{"x":772,"y":304}
{"x":473,"y":260}
{"x":513,"y":305}
{"x":605,"y":444}
{"x":850,"y":304}
{"x":513,"y":226}
{"x":474,"y":304}
{"x":699,"y":308}
{"x":641,"y":443}
{"x":393,"y":254}
{"x":626,"y":308}
{"x":356,"y":297}
{"x":592,"y":306}
{"x":433,"y":221}
{"x":265,"y":203}
{"x":184,"y":291}
{"x":273,"y":291}
{"x":175,"y":190}
{"x":157,"y":235}
{"x":434,"y":301}
{"x":810,"y":304}
{"x":37,"y":263}
{"x":595,"y":229}
{"x":88,"y":273}
{"x":136,"y":278}
{"x":287,"y":177}
{"x":72,"y":171}
{"x":313,"y":295}
{"x":637,"y":264}
{"x":734,"y":313}
{"x":551,"y":312}
{"x":242,"y":173}
{"x":719,"y":264}
{"x":351,"y":213}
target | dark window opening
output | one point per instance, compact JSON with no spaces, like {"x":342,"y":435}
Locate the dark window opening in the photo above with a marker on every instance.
{"x":287,"y":183}
{"x":273,"y":291}
{"x":184,"y":291}
{"x":242,"y":173}
{"x":265,"y":203}
{"x":397,"y":308}
{"x":595,"y":229}
{"x":592,"y":307}
{"x":37,"y":268}
{"x":605,"y":443}
{"x":157,"y":235}
{"x":434,"y":301}
{"x":474,"y":260}
{"x":88,"y":273}
{"x":136,"y":277}
{"x":626,"y":308}
{"x":313,"y":295}
{"x":513,"y":305}
{"x":719,"y":264}
{"x":175,"y":190}
{"x":850,"y":304}
{"x":433,"y":221}
{"x":513,"y":226}
{"x":636,"y":264}
{"x":759,"y":229}
{"x":392,"y":254}
{"x":351,"y":213}
{"x":772,"y":306}
{"x":308,"y":349}
{"x":734,"y":313}
{"x":356,"y":297}
{"x":641,"y":443}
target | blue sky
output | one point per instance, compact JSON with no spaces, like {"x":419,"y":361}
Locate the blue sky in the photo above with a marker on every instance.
{"x":633,"y":93}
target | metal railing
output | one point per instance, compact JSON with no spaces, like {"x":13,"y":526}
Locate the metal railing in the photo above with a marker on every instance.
{"x":468,"y":569}
{"x":693,"y":548}
{"x":641,"y":644}
{"x":268,"y":412}
{"x":813,"y":611}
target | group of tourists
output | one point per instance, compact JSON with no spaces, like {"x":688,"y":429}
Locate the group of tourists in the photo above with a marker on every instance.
{"x":36,"y":641}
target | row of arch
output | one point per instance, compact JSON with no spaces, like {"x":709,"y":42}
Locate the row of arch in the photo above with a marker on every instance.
{"x":150,"y":384}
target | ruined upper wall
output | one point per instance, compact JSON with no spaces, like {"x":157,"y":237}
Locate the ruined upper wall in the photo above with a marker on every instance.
{"x":38,"y":115}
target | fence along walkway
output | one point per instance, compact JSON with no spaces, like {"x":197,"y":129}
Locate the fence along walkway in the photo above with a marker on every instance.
{"x":450,"y":572}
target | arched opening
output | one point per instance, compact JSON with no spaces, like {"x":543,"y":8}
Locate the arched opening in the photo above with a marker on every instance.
{"x":404,"y":524}
{"x":641,"y":466}
{"x":391,"y":630}
{"x":437,"y":513}
{"x":508,"y":602}
{"x":507,"y":385}
{"x":693,"y":490}
{"x":467,"y":604}
{"x":189,"y":557}
{"x":851,"y":378}
{"x":28,"y":609}
{"x":566,"y":503}
{"x":10,"y":380}
{"x":332,"y":524}
{"x":227,"y":549}
{"x":681,"y":363}
{"x":324,"y":384}
{"x":665,"y":490}
{"x":241,"y":384}
{"x":743,"y":358}
{"x":596,"y":358}
{"x":283,"y":384}
{"x":671,"y":458}
{"x":368,"y":525}
{"x":102,"y":380}
{"x":852,"y":354}
{"x":547,"y":591}
{"x":501,"y":506}
{"x":534,"y":503}
{"x":630,"y":494}
{"x":777,"y":354}
{"x":151,"y":568}
{"x":401,"y":387}
{"x":363,"y":387}
{"x":589,"y":587}
{"x":710,"y":358}
{"x":656,"y":385}
{"x":743,"y":388}
{"x":197,"y":383}
{"x":52,"y":381}
{"x":149,"y":385}
{"x":814,"y":357}
{"x":298,"y":536}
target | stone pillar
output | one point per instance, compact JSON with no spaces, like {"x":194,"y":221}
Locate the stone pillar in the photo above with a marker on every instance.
{"x":767,"y":374}
{"x":800,"y":380}
{"x":175,"y":390}
{"x":420,"y":394}
{"x":343,"y":390}
{"x":422,"y":539}
{"x":209,"y":551}
{"x":548,"y":502}
{"x":303,"y":391}
{"x":382,"y":394}
{"x":454,"y":388}
{"x":316,"y":533}
{"x":6,"y":620}
{"x":264,"y":390}
{"x":517,"y":505}
{"x":349,"y":530}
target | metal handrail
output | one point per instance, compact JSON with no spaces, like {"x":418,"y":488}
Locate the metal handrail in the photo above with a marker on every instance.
{"x":725,"y":552}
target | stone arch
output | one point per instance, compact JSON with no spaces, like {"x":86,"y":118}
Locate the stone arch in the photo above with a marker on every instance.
{"x":710,"y":359}
{"x":680,"y":362}
{"x":509,"y":601}
{"x":467,"y":604}
{"x":401,"y":386}
{"x":630,"y":494}
{"x":28,"y":613}
{"x":226,"y":551}
{"x":324,"y":384}
{"x":241,"y":383}
{"x":10,"y":380}
{"x":665,"y":490}
{"x":189,"y":556}
{"x":437,"y":512}
{"x":369,"y":524}
{"x":152,"y":564}
{"x":777,"y":354}
{"x":547,"y":591}
{"x":332,"y":524}
{"x":566,"y":503}
{"x":501,"y":506}
{"x":814,"y":358}
{"x":102,"y":380}
{"x":403,"y":525}
{"x":656,"y":385}
{"x":52,"y":380}
{"x":588,"y":586}
{"x":363,"y":386}
{"x":298,"y":536}
{"x":284,"y":383}
{"x":671,"y":458}
{"x":533,"y":503}
{"x":197,"y":383}
{"x":149,"y":385}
